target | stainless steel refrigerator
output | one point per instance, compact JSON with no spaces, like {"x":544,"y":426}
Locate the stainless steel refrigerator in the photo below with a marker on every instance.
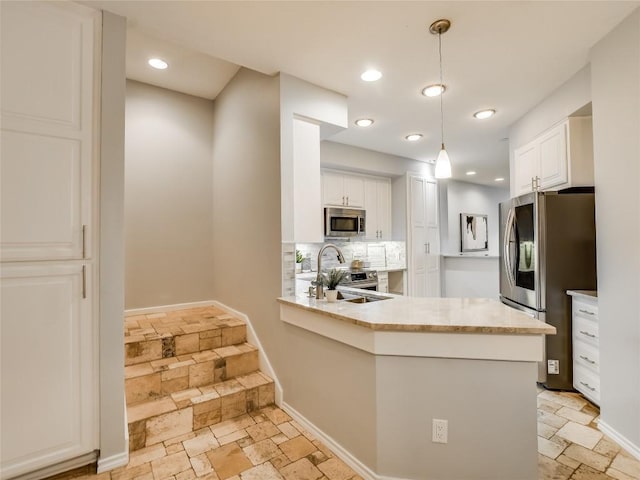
{"x":548,"y":246}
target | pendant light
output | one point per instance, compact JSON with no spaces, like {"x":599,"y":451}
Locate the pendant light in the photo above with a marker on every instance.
{"x":443,"y":165}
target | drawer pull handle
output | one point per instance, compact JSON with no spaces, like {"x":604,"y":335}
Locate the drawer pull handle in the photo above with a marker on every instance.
{"x":586,"y":311}
{"x":591,"y":335}
{"x":587,"y":359}
{"x":588,"y":386}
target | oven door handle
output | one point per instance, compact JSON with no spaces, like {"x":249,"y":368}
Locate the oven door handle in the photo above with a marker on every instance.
{"x":506,"y":245}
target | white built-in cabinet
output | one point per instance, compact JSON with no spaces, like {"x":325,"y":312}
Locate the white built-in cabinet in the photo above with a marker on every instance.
{"x":361,"y":191}
{"x":341,"y":189}
{"x":559,"y":158}
{"x":586,"y":346}
{"x":423,"y":237}
{"x":377,"y":203}
{"x":48,"y":187}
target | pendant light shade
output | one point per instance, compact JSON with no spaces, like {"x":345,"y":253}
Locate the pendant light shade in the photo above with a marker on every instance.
{"x":443,"y":165}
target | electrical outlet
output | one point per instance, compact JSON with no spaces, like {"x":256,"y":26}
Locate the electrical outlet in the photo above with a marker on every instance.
{"x":553,"y":367}
{"x":439,"y":432}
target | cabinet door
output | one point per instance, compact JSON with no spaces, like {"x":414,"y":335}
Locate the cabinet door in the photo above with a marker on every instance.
{"x":354,"y":191}
{"x":525,"y":168}
{"x":418,"y":237}
{"x":47,"y":129}
{"x":384,"y":209}
{"x":433,"y":239}
{"x":371,"y":207}
{"x":48,"y":369}
{"x":553,"y":157}
{"x":333,"y":189}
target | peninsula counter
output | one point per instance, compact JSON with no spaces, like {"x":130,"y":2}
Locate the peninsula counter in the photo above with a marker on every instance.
{"x":370,"y":379}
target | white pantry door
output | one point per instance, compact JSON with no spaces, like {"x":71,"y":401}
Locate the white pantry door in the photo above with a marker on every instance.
{"x":49,"y":87}
{"x":423,"y":237}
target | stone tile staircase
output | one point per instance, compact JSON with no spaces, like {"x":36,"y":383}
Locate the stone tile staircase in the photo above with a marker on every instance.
{"x":189,"y":369}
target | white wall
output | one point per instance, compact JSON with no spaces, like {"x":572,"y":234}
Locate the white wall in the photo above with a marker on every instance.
{"x":615,"y":73}
{"x":168,"y":212}
{"x":466,"y":276}
{"x":346,"y":157}
{"x":328,"y":110}
{"x":461,"y":197}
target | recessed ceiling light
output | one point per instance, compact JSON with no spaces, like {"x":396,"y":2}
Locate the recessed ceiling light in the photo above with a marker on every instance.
{"x":433,"y":90}
{"x":482,"y":114}
{"x":158,"y":63}
{"x":499,"y":179}
{"x":471,"y":172}
{"x":364,"y":122}
{"x":371,"y":75}
{"x":413,"y":137}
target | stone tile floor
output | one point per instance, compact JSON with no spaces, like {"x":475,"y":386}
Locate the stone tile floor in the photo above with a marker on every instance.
{"x":269,"y":445}
{"x":570,"y":446}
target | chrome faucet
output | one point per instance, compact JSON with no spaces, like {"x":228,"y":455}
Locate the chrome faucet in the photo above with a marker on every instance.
{"x":319,"y":281}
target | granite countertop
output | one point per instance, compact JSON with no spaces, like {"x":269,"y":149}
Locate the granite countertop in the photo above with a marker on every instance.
{"x":590,"y":294}
{"x":413,"y":314}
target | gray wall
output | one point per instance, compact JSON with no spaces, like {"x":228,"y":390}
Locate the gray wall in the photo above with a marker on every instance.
{"x":246,"y":204}
{"x":494,"y":439}
{"x":615,"y":74}
{"x":168,"y":210}
{"x":112,"y":406}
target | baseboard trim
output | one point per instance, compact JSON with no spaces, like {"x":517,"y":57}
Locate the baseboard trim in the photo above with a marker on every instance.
{"x":344,"y":455}
{"x":167,"y":308}
{"x":114,"y":461}
{"x":252,"y":337}
{"x":55,"y":469}
{"x":620,"y":439}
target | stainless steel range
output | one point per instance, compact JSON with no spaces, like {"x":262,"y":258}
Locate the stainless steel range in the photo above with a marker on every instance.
{"x":361,"y":278}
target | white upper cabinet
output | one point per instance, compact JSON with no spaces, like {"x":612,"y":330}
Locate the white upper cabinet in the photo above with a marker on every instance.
{"x":561,"y":157}
{"x":342,"y":190}
{"x":377,"y":203}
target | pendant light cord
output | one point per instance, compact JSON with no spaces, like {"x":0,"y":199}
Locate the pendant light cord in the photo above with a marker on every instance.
{"x":442,"y":88}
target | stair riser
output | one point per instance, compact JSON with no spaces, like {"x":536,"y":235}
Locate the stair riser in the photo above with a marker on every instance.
{"x":192,"y":417}
{"x":189,"y":374}
{"x":140,"y":349}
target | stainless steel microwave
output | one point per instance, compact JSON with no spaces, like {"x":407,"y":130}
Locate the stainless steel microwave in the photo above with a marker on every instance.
{"x":344,"y":222}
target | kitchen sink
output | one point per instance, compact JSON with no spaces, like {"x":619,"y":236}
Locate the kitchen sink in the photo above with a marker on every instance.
{"x":365,"y":299}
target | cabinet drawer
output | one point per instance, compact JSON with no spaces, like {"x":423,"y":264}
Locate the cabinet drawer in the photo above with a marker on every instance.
{"x":587,"y":382}
{"x":584,"y":309}
{"x":586,"y":331}
{"x":587,"y":356}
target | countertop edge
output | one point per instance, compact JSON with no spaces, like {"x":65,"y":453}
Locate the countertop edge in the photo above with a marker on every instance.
{"x":589,"y":294}
{"x":483,"y":329}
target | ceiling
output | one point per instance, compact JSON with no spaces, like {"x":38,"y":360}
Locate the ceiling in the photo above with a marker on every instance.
{"x":502,"y":55}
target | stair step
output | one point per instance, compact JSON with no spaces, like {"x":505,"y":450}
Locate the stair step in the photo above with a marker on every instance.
{"x":149,"y":380}
{"x":154,"y":421}
{"x":171,"y":334}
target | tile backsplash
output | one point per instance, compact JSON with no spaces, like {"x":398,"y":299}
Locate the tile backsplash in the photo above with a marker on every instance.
{"x":380,"y":255}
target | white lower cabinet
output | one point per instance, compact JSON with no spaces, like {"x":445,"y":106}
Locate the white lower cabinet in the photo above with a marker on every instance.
{"x":585,"y":343}
{"x":48,"y":372}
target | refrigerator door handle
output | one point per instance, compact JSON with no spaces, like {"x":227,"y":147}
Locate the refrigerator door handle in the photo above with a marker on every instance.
{"x":507,"y":248}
